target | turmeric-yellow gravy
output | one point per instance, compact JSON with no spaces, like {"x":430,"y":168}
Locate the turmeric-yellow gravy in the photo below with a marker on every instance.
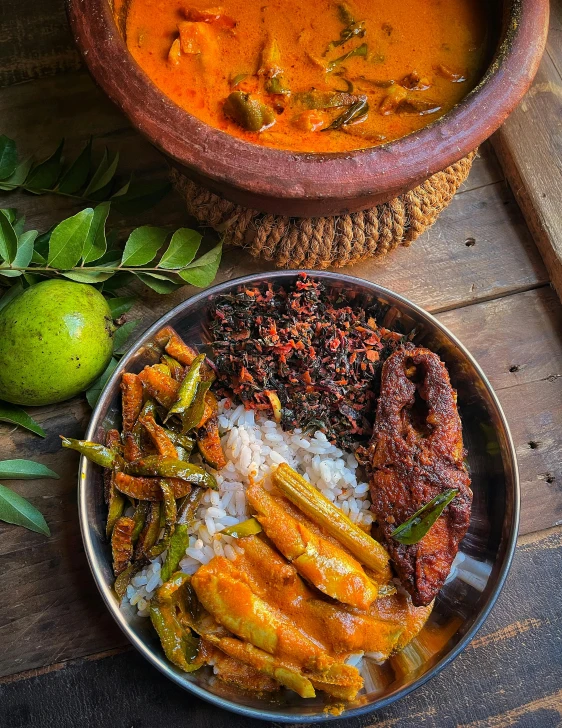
{"x":312,"y":75}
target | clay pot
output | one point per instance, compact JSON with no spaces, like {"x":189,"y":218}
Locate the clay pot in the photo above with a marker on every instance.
{"x":308,"y":185}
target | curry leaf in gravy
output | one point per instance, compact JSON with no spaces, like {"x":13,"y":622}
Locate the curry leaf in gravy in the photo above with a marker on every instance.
{"x":416,"y":527}
{"x":359,"y":51}
{"x":325,"y":99}
{"x":353,"y":114}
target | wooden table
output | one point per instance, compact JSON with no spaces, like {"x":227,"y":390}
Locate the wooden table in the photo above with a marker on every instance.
{"x":63,"y":662}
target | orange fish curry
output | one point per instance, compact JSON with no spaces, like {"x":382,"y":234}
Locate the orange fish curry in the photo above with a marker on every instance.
{"x":312,"y":75}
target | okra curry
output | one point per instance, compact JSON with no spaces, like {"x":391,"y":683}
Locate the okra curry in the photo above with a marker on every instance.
{"x":315,"y":76}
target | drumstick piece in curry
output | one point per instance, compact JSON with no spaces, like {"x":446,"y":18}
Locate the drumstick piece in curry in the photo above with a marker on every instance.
{"x":416,"y":453}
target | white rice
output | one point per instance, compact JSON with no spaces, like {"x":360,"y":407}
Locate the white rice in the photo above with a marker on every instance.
{"x":254,"y":447}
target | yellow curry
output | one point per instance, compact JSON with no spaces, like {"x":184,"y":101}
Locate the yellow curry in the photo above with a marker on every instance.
{"x":315,"y":76}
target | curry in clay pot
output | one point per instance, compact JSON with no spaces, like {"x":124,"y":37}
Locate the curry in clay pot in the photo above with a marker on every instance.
{"x":320,"y":76}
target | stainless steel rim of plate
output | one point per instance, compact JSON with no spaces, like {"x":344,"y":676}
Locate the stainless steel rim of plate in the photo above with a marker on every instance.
{"x":95,"y":556}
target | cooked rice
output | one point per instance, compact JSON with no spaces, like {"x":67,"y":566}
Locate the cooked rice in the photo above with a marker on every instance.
{"x":254,"y":447}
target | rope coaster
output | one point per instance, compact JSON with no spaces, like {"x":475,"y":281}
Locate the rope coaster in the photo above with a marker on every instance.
{"x":320,"y":242}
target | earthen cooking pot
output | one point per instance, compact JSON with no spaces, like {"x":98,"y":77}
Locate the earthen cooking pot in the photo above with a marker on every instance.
{"x":307,"y":185}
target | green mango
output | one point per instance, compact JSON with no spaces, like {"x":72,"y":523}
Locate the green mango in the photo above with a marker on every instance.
{"x":56,"y":339}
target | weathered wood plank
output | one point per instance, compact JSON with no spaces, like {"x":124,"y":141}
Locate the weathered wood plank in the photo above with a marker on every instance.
{"x":517,"y":342}
{"x":57,"y":614}
{"x":529,"y":146}
{"x":35,"y":40}
{"x":522,"y":637}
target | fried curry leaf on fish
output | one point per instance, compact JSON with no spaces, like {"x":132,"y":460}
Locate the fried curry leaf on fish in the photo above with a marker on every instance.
{"x":416,"y":455}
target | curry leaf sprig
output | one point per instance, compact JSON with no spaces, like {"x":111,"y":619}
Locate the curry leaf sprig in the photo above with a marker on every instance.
{"x":13,"y":507}
{"x":79,"y":249}
{"x":80,"y":178}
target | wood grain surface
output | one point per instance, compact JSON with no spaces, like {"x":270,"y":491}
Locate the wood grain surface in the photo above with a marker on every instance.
{"x":530,"y":149}
{"x":63,"y":661}
{"x":485,"y":687}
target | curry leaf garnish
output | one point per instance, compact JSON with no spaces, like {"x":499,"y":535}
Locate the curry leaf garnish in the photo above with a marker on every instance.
{"x":79,"y":178}
{"x":24,"y":470}
{"x":359,"y":51}
{"x":416,"y":527}
{"x":17,"y":416}
{"x":352,"y":114}
{"x":19,"y":511}
{"x":79,"y":249}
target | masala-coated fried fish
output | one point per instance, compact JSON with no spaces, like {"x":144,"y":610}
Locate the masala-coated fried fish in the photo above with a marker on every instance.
{"x":417,"y":453}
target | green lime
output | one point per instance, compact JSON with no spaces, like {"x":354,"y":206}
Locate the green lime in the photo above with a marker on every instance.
{"x":56,"y":338}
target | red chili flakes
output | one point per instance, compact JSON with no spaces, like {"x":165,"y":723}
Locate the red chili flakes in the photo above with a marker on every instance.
{"x":321,"y":354}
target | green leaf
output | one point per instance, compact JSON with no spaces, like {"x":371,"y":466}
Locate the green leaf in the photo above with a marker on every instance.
{"x":119,"y":280}
{"x":31,"y":279}
{"x":19,"y":225}
{"x":137,"y":196}
{"x":158,"y":283}
{"x":68,"y":238}
{"x":8,"y":240}
{"x":42,"y":243}
{"x":10,"y":213}
{"x":103,"y":174}
{"x":202,"y":271}
{"x":122,"y":334}
{"x":7,"y":273}
{"x":45,"y":175}
{"x":83,"y":275}
{"x":24,"y":470}
{"x":17,"y":510}
{"x":20,"y":175}
{"x":8,"y":157}
{"x":38,"y":259}
{"x":24,"y":255}
{"x":93,"y":394}
{"x":121,"y":305}
{"x":10,"y":294}
{"x":76,"y":175}
{"x":415,"y":528}
{"x":96,"y":243}
{"x":16,"y":416}
{"x":182,"y":249}
{"x":142,"y":245}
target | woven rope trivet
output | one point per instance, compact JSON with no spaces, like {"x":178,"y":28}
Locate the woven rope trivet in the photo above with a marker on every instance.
{"x":319,"y":242}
